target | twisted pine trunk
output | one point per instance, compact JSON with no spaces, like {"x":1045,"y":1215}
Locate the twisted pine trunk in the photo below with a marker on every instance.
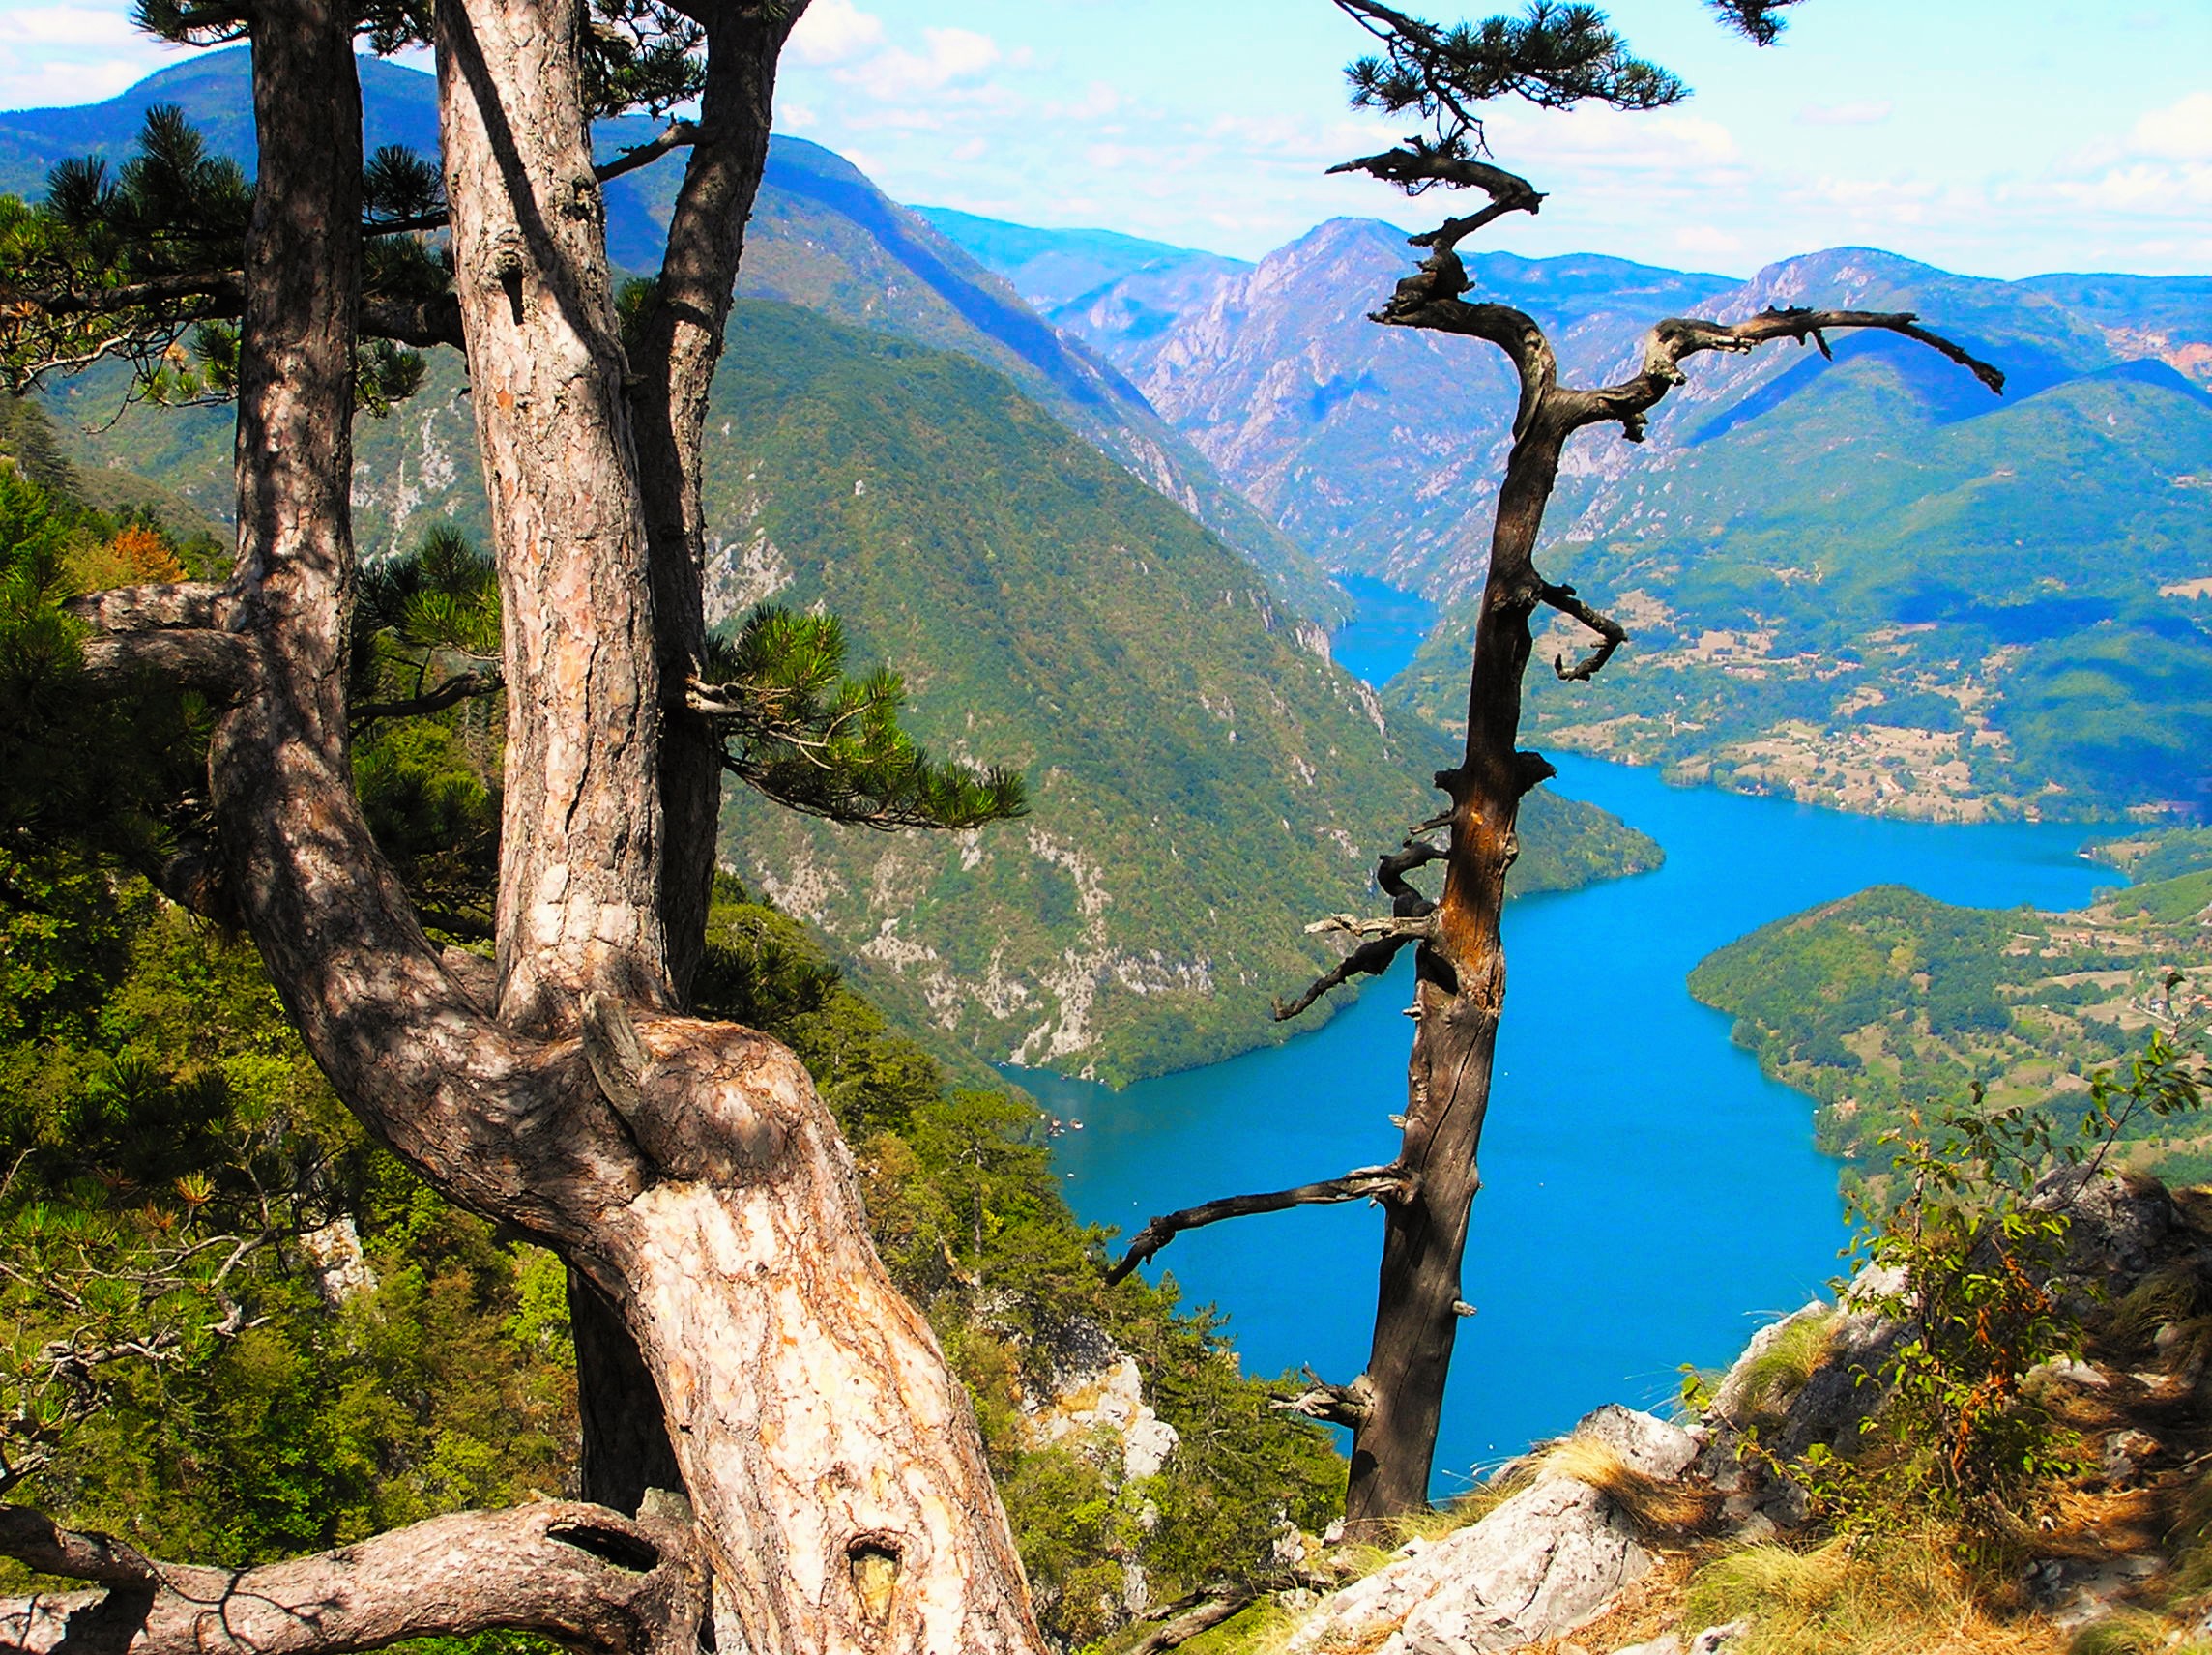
{"x":686,"y":1170}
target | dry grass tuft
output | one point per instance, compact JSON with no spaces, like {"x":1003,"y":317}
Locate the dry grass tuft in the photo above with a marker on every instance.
{"x":1779,"y":1372}
{"x":1656,"y":1507}
{"x":1859,"y":1596}
{"x":2176,"y":1293}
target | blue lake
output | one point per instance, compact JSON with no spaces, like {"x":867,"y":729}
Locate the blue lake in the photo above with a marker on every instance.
{"x":1379,"y":639}
{"x":1648,"y":1195}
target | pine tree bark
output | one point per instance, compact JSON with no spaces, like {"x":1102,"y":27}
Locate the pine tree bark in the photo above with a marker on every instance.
{"x":679,"y":345}
{"x":687,"y":1169}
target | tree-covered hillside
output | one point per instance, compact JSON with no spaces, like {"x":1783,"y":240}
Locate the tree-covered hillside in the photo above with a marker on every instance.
{"x":1202,"y":782}
{"x":1890,"y":1002}
{"x":1850,"y":582}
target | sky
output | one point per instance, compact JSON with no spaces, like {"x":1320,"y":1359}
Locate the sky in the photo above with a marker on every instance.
{"x":1998,"y":137}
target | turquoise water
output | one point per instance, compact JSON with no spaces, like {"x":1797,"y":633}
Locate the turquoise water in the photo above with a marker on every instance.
{"x":1647,"y":1194}
{"x":1388,"y":626}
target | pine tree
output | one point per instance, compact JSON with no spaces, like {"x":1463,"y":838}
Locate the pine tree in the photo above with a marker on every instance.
{"x":1555,"y":57}
{"x":819,"y":1481}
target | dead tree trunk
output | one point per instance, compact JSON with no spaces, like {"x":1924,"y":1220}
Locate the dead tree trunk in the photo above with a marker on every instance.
{"x":686,"y":1170}
{"x":1427,"y":1192}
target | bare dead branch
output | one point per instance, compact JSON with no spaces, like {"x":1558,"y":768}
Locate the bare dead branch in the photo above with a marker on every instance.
{"x":1338,"y":1405}
{"x":1508,"y":191}
{"x":1395,"y":929}
{"x":225,"y":289}
{"x":1374,"y":958}
{"x":582,"y":1575}
{"x":1186,"y":1617}
{"x":1429,"y":299}
{"x":1674,"y":342}
{"x":1414,"y":170}
{"x":1610,"y":633}
{"x":1392,"y":1183}
{"x":1390,"y":872}
{"x":191,"y":297}
{"x":1368,"y":960}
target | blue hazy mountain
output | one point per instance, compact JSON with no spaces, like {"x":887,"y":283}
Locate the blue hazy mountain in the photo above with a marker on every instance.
{"x":823,"y":236}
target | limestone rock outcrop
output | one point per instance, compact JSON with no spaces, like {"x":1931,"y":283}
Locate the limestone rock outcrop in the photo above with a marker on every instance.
{"x":1547,"y":1560}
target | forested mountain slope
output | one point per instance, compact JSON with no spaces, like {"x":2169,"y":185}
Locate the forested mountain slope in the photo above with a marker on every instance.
{"x":1868,"y":583}
{"x":1203,"y":782}
{"x":1887,"y":1002}
{"x":1862,"y":581}
{"x":822,"y":236}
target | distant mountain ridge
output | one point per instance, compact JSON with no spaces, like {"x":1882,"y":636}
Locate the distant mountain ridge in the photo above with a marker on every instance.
{"x":1052,"y":268}
{"x":1861,"y":581}
{"x":822,"y":236}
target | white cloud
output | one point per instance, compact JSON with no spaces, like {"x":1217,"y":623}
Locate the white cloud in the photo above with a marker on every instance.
{"x":1705,"y":241}
{"x":56,"y":55}
{"x":835,"y":31}
{"x":2182,"y":131}
{"x":77,"y":26}
{"x":950,"y":57}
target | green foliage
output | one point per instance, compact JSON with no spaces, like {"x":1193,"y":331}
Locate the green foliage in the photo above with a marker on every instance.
{"x":2161,"y":856}
{"x":1555,"y":57}
{"x":132,"y":265}
{"x":1966,"y":1257}
{"x":179,"y":1167}
{"x":797,"y":729}
{"x":83,"y":256}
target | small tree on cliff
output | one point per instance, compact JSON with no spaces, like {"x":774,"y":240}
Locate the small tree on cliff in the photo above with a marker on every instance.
{"x":739,"y":1346}
{"x":1555,"y":57}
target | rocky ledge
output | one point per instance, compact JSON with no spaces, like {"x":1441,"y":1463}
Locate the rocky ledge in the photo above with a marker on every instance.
{"x":1569,"y":1535}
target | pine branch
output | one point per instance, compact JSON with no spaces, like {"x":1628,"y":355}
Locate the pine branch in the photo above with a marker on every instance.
{"x":797,"y":729}
{"x":1610,"y":634}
